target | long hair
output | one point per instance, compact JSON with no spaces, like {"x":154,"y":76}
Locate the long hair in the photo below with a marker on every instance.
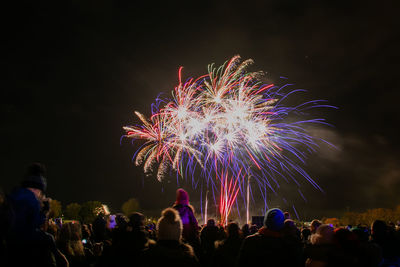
{"x":69,"y":239}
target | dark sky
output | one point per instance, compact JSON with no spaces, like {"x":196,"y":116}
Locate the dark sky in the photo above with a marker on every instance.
{"x":75,"y":71}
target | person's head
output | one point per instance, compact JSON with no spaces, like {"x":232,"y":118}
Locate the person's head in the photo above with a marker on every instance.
{"x":76,"y":231}
{"x":70,"y":239}
{"x":211,"y":222}
{"x":86,"y":234}
{"x":169,"y":226}
{"x":361,"y":233}
{"x":182,"y":197}
{"x":287,"y":215}
{"x":232,"y":229}
{"x":274,"y":219}
{"x":99,"y":229}
{"x":121,"y":220}
{"x":345,"y":238}
{"x":378,"y":229}
{"x":136,"y":220}
{"x":314,"y":225}
{"x":305,"y":233}
{"x":64,"y":234}
{"x":53,"y":229}
{"x":323,"y":235}
{"x":253,"y":229}
{"x":290,"y":228}
{"x":34,"y":179}
{"x":289,"y":223}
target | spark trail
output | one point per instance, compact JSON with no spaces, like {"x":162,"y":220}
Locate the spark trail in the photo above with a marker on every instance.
{"x":232,"y":127}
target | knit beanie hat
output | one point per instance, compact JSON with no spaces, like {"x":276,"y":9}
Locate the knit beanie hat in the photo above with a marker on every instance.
{"x":34,"y":177}
{"x":169,"y":226}
{"x":323,"y":235}
{"x":274,"y":219}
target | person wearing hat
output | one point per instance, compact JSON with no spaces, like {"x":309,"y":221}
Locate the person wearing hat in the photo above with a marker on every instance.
{"x":27,"y":201}
{"x":269,"y":245}
{"x":169,"y":247}
{"x":186,"y":212}
{"x":27,"y":243}
{"x":190,"y":232}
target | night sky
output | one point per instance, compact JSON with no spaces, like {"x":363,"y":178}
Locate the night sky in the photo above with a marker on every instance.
{"x":74,"y":72}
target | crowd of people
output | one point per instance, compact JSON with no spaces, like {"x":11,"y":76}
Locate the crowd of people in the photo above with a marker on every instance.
{"x":29,"y":238}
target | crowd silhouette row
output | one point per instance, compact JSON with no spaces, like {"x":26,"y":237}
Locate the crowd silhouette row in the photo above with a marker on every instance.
{"x":29,"y":238}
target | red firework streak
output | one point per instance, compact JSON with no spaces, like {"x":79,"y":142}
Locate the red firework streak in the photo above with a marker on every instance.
{"x":229,"y":191}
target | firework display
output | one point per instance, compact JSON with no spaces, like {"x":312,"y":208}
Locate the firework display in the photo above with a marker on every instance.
{"x":230,"y":126}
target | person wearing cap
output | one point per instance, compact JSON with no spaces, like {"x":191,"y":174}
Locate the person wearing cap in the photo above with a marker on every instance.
{"x":269,"y":245}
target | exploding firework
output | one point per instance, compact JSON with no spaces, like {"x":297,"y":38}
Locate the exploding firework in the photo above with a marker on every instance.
{"x":232,"y":127}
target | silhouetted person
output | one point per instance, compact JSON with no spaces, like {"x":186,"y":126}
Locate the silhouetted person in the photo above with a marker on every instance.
{"x":269,"y":246}
{"x":347,"y":246}
{"x":386,"y":240}
{"x":27,"y":243}
{"x":322,"y":251}
{"x":128,"y":243}
{"x":208,"y":235}
{"x":245,"y":230}
{"x":138,"y":236}
{"x":305,"y":235}
{"x":292,"y":236}
{"x":314,"y":226}
{"x":369,"y":253}
{"x":70,"y":243}
{"x":4,"y":226}
{"x":226,"y":251}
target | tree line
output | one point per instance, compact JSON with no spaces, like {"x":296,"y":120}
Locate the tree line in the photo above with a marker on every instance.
{"x":87,"y":211}
{"x":366,"y":218}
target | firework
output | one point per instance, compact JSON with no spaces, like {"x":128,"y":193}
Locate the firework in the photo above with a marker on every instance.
{"x":231,"y":126}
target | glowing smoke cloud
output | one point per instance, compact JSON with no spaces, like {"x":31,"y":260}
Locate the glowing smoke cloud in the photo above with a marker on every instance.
{"x":230,"y":125}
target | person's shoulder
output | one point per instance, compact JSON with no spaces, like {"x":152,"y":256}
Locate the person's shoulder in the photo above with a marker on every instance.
{"x":183,"y":208}
{"x":321,"y":248}
{"x":252,"y":238}
{"x":21,"y":193}
{"x":187,"y":249}
{"x":205,"y":228}
{"x":186,"y":207}
{"x":170,"y":249}
{"x":45,"y":238}
{"x":177,"y":206}
{"x":265,"y":239}
{"x":222,"y":244}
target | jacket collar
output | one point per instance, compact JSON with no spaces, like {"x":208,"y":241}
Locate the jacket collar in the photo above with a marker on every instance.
{"x":266,"y":232}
